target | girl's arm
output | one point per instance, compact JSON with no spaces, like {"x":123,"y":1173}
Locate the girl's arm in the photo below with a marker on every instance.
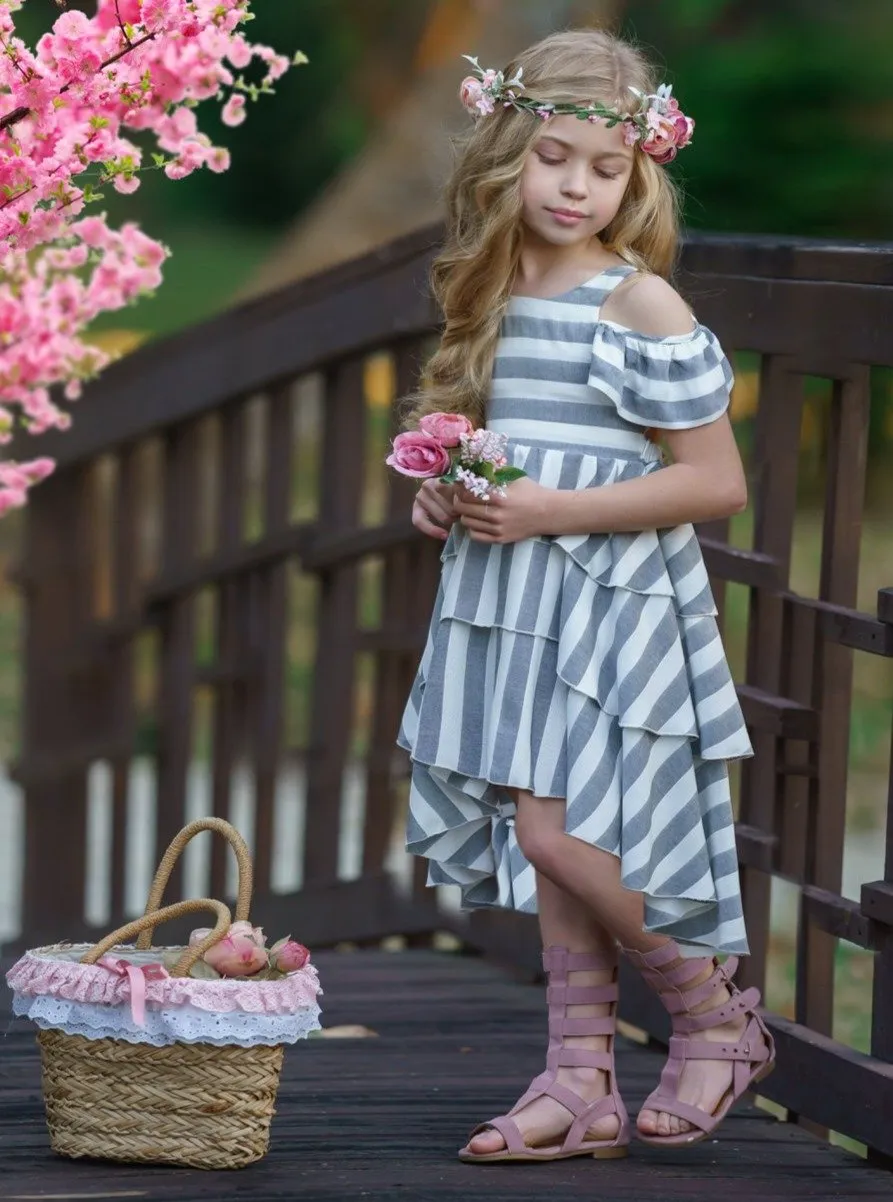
{"x":706,"y":481}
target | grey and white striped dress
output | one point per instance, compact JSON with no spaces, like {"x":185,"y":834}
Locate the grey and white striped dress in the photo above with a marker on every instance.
{"x":584,"y":667}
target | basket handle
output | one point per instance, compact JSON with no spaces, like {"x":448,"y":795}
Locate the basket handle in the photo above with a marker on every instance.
{"x":170,"y":857}
{"x":149,"y":922}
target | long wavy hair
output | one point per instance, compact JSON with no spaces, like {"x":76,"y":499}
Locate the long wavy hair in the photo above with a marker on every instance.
{"x":472,"y":277}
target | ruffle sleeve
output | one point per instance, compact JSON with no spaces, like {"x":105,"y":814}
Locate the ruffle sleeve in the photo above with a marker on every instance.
{"x":672,"y":383}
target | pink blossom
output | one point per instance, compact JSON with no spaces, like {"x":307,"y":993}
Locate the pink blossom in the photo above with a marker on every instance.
{"x":218,"y":159}
{"x":126,"y":184}
{"x":234,"y":111}
{"x":470,"y":93}
{"x":631,"y":133}
{"x":418,"y":454}
{"x":239,"y":53}
{"x":73,"y":26}
{"x":288,"y":956}
{"x":447,"y":428}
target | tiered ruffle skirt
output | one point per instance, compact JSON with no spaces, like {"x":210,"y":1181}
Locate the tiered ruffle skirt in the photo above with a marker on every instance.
{"x":588,"y":668}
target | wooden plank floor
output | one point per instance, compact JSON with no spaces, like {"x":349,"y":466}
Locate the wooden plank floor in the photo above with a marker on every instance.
{"x":381,"y":1118}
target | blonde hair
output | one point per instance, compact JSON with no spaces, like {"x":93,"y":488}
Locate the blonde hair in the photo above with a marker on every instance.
{"x":472,"y":276}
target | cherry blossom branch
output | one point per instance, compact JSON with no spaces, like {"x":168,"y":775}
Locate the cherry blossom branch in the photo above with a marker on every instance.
{"x":19,"y":114}
{"x":60,"y":268}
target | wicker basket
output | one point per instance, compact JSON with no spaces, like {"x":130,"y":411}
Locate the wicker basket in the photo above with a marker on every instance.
{"x":191,"y":1104}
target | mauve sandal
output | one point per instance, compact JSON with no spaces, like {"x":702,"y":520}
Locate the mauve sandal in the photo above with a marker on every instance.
{"x":558,"y":962}
{"x":753,"y":1053}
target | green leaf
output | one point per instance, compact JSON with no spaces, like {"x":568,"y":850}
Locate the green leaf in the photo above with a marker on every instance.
{"x":505,"y":475}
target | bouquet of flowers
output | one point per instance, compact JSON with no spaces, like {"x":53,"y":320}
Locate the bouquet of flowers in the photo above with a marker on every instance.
{"x":448,"y":447}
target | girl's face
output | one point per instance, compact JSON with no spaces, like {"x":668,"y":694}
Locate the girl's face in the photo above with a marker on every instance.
{"x":574,"y":180}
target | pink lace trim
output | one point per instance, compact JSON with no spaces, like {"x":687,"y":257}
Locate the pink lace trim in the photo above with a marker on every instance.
{"x":39,"y":973}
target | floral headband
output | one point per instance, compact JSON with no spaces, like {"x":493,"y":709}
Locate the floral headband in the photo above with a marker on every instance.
{"x":658,"y":126}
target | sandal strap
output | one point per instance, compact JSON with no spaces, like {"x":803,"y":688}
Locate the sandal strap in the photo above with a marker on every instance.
{"x":567,"y":1098}
{"x":745,"y":1049}
{"x":659,"y":1101}
{"x":585,"y":1026}
{"x":576,"y":1133}
{"x":508,"y":1129}
{"x":559,"y":961}
{"x":581,"y":995}
{"x":747,"y":1002}
{"x":582,"y":1058}
{"x":658,"y":958}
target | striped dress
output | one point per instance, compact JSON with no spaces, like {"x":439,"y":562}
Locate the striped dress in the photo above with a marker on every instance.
{"x":584,"y":667}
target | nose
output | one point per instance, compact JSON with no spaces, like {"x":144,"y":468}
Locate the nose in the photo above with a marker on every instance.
{"x":573,"y":185}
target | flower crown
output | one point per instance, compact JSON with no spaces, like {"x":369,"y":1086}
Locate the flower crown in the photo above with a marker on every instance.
{"x":658,"y":126}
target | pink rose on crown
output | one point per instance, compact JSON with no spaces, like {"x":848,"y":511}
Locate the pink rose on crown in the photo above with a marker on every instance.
{"x":666,"y":135}
{"x":447,"y":428}
{"x":420,"y":455}
{"x":470,"y":92}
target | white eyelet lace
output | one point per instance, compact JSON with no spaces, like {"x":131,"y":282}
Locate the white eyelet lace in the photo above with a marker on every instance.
{"x":176,"y":1024}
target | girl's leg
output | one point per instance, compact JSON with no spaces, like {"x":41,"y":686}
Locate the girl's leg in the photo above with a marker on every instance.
{"x":592,"y":877}
{"x":564,"y":922}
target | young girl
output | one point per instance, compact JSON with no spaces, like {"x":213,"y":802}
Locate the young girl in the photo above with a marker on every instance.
{"x":573,"y":711}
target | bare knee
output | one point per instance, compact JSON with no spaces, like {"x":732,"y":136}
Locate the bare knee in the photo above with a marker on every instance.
{"x":538,"y":836}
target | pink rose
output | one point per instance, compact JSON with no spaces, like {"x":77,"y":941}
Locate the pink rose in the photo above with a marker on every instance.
{"x":660,"y":141}
{"x":446,"y":427}
{"x":288,"y":956}
{"x":240,"y":953}
{"x":470,"y":92}
{"x":667,"y":134}
{"x":250,"y":932}
{"x":418,"y":454}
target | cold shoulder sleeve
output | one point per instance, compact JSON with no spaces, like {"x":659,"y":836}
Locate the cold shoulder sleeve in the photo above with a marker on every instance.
{"x":672,"y":383}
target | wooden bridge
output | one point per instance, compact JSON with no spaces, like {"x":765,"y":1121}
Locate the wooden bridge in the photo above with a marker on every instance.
{"x":220,"y":574}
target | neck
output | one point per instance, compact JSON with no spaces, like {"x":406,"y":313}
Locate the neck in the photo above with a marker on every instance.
{"x":542,"y":264}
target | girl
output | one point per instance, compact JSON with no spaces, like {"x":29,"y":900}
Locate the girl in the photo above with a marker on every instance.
{"x":573,"y":712}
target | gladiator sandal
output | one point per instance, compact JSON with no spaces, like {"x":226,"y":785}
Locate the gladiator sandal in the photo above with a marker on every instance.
{"x":558,"y":962}
{"x":753,"y":1053}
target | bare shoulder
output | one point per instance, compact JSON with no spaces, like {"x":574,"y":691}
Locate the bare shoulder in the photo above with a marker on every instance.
{"x":648,"y":304}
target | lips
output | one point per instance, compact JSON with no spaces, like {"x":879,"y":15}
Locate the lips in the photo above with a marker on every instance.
{"x":567,"y":213}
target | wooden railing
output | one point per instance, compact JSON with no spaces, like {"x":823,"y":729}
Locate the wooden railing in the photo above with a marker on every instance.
{"x":220,"y":573}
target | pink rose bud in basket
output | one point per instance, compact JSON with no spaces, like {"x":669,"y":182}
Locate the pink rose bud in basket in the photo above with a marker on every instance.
{"x":288,"y":956}
{"x":418,"y":454}
{"x":447,"y":428}
{"x":239,"y":954}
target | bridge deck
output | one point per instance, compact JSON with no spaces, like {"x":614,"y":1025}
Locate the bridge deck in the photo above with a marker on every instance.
{"x":381,"y":1118}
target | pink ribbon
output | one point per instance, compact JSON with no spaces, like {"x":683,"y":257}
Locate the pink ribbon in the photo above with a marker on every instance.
{"x":137,"y":975}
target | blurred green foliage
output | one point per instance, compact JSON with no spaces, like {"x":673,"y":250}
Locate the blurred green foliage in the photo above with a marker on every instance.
{"x":793,"y":101}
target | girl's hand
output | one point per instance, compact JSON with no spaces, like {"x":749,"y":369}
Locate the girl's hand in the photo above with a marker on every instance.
{"x":432,"y":510}
{"x":520,"y":514}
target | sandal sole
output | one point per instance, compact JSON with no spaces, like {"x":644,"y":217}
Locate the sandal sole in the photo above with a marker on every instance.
{"x":527,"y":1158}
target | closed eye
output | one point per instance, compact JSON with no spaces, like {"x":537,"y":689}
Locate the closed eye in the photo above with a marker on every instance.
{"x":551,"y":162}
